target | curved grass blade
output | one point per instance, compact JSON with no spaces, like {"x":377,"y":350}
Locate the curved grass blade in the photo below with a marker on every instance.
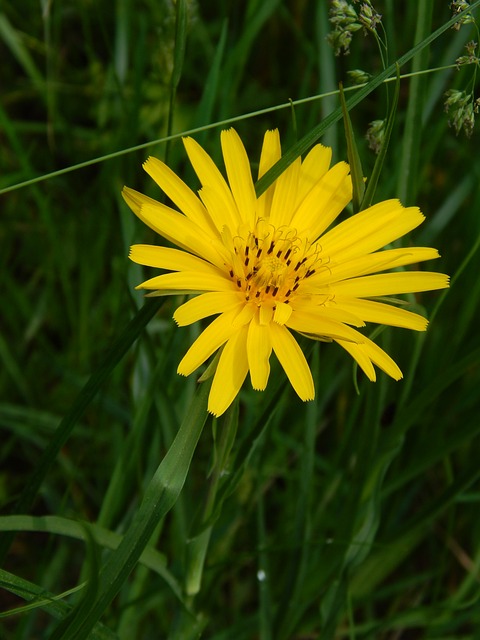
{"x":84,"y":398}
{"x":150,"y":558}
{"x":39,"y":598}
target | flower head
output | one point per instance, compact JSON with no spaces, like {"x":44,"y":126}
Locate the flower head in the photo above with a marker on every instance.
{"x":270,"y":265}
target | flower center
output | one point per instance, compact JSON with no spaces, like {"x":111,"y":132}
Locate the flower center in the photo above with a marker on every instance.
{"x":270,"y":263}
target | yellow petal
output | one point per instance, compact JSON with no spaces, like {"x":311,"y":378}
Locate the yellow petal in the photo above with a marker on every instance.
{"x":216,"y":334}
{"x":211,"y":178}
{"x":189,"y":281}
{"x":220,"y":214}
{"x":370,"y":230}
{"x":314,"y":166}
{"x":371,"y":263}
{"x":285,"y":196}
{"x":324,"y":202}
{"x":271,"y":153}
{"x":183,"y":232}
{"x":379,"y":357}
{"x":265,"y":314}
{"x":315,"y":324}
{"x":385,"y":284}
{"x":245,"y":315}
{"x":358,"y":354}
{"x":179,"y":193}
{"x":282,"y":312}
{"x":293,"y":361}
{"x":205,"y":305}
{"x":166,"y":258}
{"x":231,"y":371}
{"x":369,"y":351}
{"x":259,"y":348}
{"x":135,"y":200}
{"x":239,"y":175}
{"x":372,"y":311}
{"x":331,"y":311}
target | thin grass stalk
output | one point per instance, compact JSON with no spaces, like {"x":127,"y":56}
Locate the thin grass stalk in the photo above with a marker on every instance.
{"x":412,"y":139}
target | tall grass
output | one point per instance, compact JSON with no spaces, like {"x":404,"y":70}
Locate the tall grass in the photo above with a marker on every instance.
{"x":355,"y":516}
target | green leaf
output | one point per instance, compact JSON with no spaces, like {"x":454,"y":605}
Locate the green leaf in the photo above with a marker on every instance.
{"x":412,"y":138}
{"x":180,"y":41}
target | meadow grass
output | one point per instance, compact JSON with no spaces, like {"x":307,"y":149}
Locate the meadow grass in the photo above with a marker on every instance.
{"x":129,"y":513}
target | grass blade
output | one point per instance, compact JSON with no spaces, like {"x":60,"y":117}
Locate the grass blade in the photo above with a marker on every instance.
{"x":354,"y":161}
{"x":84,"y":398}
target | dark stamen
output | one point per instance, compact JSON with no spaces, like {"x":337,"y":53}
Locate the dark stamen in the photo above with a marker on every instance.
{"x":299,"y":264}
{"x":247,"y":260}
{"x":289,"y":251}
{"x":310,"y":272}
{"x":267,"y":288}
{"x":279,"y":253}
{"x":271,"y":247}
{"x":275,"y":291}
{"x":231,"y":273}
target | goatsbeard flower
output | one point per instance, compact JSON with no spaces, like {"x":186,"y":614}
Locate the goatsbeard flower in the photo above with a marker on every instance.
{"x":270,"y":265}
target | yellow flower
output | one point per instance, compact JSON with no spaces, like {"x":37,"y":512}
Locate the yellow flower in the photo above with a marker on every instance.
{"x":265,"y":266}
